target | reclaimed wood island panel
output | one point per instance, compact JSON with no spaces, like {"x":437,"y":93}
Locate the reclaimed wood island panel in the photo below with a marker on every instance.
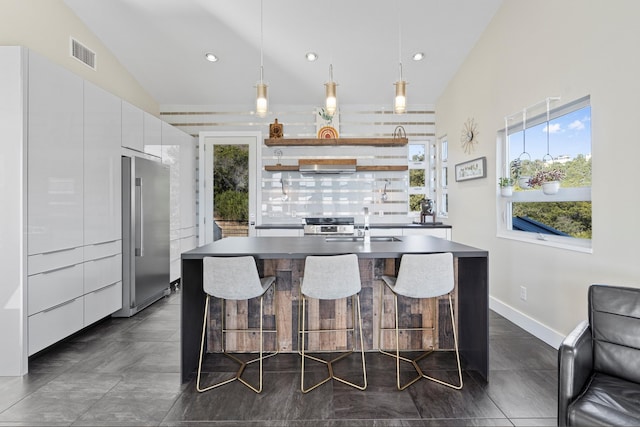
{"x":283,"y":257}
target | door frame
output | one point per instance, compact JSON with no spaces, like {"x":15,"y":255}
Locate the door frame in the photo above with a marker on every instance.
{"x":205,"y":178}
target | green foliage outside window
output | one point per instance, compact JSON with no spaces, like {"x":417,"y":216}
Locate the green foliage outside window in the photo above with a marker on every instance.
{"x":414,"y":202}
{"x":573,"y":218}
{"x":578,"y":171}
{"x":231,"y":205}
{"x":231,"y":182}
{"x":416,"y":178}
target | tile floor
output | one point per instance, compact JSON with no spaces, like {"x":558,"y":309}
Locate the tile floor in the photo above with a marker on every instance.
{"x":126,"y":372}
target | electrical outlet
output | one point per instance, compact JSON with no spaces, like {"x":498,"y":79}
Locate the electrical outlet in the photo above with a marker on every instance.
{"x":523,"y":293}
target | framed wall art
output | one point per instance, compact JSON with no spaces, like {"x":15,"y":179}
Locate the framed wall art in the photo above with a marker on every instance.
{"x":473,"y":169}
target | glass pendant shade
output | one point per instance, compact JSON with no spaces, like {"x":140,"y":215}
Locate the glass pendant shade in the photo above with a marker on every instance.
{"x":400,"y":103}
{"x":331,"y":102}
{"x":261,"y":100}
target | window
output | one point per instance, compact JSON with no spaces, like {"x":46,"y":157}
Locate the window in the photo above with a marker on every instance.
{"x":417,"y":174}
{"x":442,"y":170}
{"x":533,"y":145}
{"x":428,"y":175}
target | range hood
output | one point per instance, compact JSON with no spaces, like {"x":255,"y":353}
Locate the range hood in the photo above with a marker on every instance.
{"x":327,"y":166}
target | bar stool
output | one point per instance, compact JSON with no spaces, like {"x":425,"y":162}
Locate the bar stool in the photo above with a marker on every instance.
{"x":234,"y":278}
{"x":420,"y":276}
{"x":331,"y":277}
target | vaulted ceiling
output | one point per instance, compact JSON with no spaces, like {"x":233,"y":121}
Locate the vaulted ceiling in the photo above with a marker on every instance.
{"x":163,"y":43}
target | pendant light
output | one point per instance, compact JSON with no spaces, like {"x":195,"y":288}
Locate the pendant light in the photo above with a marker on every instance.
{"x":262,"y":104}
{"x":331,"y":99}
{"x":400,"y":101}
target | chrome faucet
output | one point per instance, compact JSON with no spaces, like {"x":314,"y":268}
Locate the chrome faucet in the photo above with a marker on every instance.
{"x":367,"y":232}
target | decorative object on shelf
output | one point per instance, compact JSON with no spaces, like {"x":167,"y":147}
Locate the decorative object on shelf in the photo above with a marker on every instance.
{"x":428,"y":208}
{"x":473,"y":169}
{"x":327,"y":125}
{"x":279,"y":154}
{"x":506,"y":186}
{"x":399,"y":132}
{"x":275,"y":130}
{"x":469,"y":135}
{"x":548,"y":179}
{"x":327,"y":132}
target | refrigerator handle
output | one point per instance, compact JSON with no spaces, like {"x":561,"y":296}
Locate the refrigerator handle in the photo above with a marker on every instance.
{"x":139,"y":226}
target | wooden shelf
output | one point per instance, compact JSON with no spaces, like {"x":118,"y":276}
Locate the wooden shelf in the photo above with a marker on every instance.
{"x":378,"y":168}
{"x":382,"y":168}
{"x":381,"y":142}
{"x":281,"y":168}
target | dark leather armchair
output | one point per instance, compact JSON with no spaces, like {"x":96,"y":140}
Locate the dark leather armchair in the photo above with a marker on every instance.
{"x":599,"y":362}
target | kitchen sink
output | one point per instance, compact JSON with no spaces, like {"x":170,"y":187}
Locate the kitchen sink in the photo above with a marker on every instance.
{"x":361,"y":239}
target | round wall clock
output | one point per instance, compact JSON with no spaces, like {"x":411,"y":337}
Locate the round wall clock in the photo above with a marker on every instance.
{"x":469,"y":135}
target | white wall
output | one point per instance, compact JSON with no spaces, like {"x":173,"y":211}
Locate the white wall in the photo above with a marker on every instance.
{"x":47,"y":26}
{"x":530,"y":51}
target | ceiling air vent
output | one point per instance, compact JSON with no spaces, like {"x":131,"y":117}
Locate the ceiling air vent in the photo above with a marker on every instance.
{"x":83,"y":54}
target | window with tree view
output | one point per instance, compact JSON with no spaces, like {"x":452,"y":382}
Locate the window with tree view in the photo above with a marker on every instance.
{"x":554,"y":145}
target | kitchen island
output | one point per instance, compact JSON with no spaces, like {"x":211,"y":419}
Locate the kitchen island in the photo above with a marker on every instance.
{"x":284,"y":258}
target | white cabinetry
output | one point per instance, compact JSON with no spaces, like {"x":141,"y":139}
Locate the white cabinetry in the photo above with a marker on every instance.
{"x":279,"y":232}
{"x":141,"y":131}
{"x":444,"y":233}
{"x":103,"y":204}
{"x":102,"y":175}
{"x":74,"y":193}
{"x":386,"y":231}
{"x":13,"y":216}
{"x":55,"y":156}
{"x":152,"y":134}
{"x":132,"y":127}
{"x":178,"y":151}
{"x":188,"y":233}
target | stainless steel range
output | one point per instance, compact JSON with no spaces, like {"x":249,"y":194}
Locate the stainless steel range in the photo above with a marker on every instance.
{"x":329,"y":225}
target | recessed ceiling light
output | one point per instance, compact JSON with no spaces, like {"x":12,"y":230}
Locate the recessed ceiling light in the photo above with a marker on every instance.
{"x":418,"y":56}
{"x":211,"y":57}
{"x":311,"y":56}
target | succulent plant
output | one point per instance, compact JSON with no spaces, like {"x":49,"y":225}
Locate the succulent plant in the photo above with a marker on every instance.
{"x":506,"y":182}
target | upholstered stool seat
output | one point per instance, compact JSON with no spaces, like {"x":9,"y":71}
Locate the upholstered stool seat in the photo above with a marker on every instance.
{"x":330,"y":277}
{"x":235,"y":278}
{"x":420,"y":276}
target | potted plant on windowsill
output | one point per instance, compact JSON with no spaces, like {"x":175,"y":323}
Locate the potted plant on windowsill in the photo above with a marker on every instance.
{"x":516,"y":171}
{"x":548,"y":179}
{"x":506,"y":186}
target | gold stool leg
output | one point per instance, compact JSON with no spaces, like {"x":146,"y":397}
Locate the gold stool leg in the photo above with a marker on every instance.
{"x":415,"y":361}
{"x":329,"y":363}
{"x":243,"y":364}
{"x":204,"y":332}
{"x":455,"y":341}
{"x":396,"y":354}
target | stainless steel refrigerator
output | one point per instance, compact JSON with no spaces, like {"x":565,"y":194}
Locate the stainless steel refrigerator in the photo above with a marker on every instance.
{"x":145,"y":234}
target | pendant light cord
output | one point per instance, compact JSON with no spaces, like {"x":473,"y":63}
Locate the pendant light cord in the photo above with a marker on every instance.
{"x":524,"y":132}
{"x":261,"y":44}
{"x":548,"y":132}
{"x":399,"y":41}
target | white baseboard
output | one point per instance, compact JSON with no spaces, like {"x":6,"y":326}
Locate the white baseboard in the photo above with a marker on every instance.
{"x":529,"y":324}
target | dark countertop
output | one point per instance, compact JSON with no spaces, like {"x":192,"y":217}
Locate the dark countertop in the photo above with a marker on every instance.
{"x":380,"y":225}
{"x":300,"y":247}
